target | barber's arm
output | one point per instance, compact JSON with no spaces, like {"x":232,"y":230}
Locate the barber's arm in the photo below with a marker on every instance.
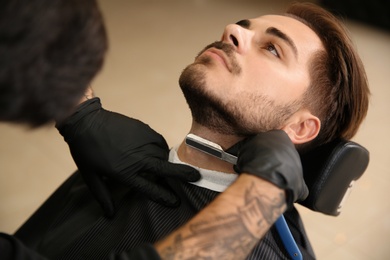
{"x":241,"y":214}
{"x":105,"y":144}
{"x":228,"y":228}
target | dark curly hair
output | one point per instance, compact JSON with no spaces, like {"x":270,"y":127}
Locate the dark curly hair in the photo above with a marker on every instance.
{"x":50,"y":50}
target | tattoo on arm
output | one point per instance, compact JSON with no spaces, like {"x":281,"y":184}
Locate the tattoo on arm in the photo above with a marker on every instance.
{"x":243,"y":230}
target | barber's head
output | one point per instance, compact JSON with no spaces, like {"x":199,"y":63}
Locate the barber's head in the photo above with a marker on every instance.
{"x":264,"y":74}
{"x":50,"y":50}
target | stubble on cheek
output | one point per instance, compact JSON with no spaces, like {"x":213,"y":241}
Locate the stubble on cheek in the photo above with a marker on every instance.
{"x":258,"y":113}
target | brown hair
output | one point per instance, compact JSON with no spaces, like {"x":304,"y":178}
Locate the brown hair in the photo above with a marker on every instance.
{"x":338,"y":93}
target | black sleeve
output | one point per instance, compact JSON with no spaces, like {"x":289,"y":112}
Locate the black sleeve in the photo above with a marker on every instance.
{"x":12,"y":249}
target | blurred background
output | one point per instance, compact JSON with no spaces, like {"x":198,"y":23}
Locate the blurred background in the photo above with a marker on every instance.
{"x":151,"y":41}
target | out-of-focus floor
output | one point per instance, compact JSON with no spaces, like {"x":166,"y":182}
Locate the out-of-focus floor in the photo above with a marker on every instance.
{"x":150,"y":43}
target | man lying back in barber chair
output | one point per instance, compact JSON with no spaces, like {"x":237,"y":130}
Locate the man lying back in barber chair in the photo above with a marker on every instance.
{"x":272,"y":84}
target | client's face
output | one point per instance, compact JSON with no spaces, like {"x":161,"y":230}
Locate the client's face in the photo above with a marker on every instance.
{"x":254,"y":78}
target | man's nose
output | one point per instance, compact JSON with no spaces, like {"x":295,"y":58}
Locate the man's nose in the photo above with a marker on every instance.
{"x":238,"y":36}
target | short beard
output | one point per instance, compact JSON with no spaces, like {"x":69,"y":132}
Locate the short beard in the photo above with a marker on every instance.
{"x":231,"y":118}
{"x":206,"y":110}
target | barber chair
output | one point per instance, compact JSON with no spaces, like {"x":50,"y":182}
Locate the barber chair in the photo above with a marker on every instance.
{"x":330,"y":171}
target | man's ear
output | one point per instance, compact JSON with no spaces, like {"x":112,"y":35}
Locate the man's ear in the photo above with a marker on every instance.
{"x":302,"y":127}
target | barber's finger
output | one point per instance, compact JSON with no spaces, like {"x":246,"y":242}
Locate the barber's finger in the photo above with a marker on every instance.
{"x":167,"y":169}
{"x":100,"y":191}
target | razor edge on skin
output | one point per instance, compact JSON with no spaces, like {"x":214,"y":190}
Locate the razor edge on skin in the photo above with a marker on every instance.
{"x":210,"y":148}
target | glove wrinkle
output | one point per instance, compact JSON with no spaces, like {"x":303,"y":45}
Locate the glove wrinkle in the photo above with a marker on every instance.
{"x":108,"y":146}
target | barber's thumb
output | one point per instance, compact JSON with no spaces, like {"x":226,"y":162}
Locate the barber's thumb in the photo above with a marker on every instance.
{"x":100,"y":192}
{"x":180,"y":171}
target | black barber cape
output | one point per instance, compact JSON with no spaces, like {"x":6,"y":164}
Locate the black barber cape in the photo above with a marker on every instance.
{"x":71,"y":225}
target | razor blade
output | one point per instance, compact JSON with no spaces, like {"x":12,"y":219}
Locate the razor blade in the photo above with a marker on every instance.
{"x":210,"y":148}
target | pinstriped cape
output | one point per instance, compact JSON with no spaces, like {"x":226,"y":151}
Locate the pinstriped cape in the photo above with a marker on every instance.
{"x":71,"y":225}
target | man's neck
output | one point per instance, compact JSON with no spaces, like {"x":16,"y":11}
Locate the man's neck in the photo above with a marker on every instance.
{"x":197,"y":158}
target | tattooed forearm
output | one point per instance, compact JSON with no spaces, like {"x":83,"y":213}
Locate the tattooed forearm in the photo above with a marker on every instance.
{"x":259,"y":204}
{"x":232,"y":235}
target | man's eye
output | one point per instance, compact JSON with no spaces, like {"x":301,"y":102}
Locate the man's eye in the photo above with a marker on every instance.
{"x":271,"y":48}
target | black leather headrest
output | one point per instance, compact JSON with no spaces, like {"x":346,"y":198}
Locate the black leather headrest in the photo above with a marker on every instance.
{"x":330,"y":171}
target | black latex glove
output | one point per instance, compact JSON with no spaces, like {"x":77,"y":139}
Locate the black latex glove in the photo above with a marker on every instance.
{"x":104,"y":144}
{"x":273,"y":157}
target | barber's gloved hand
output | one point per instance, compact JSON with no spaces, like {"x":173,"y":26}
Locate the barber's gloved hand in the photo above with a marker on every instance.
{"x":105,"y":144}
{"x":273,"y":157}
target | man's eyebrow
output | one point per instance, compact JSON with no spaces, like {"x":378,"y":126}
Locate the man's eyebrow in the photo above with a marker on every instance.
{"x":276,"y":32}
